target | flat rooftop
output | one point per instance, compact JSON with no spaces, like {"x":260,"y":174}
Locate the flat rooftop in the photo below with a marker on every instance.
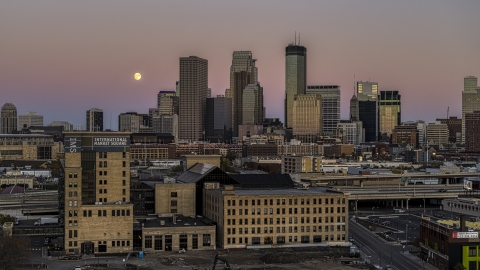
{"x":289,"y":191}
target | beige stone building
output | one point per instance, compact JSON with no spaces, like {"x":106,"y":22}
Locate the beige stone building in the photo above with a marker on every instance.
{"x":277,"y":217}
{"x":28,"y":147}
{"x":173,"y":197}
{"x":301,"y":164}
{"x":98,"y":216}
{"x":178,"y":232}
{"x":307,"y":117}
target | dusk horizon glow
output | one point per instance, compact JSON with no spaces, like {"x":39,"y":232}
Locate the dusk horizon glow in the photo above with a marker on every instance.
{"x":60,"y":59}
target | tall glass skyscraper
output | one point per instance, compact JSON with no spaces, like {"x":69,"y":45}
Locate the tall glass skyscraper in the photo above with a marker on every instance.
{"x":193,"y":88}
{"x":368,"y":108}
{"x":330,"y":106}
{"x":95,"y":119}
{"x":252,"y":106}
{"x":242,"y":73}
{"x":295,"y":78}
{"x":470,"y":99}
{"x":389,"y":112}
{"x":218,"y":121}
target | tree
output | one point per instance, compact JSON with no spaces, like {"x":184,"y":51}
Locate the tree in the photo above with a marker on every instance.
{"x":6,"y":218}
{"x":459,"y":266}
{"x":13,"y":252}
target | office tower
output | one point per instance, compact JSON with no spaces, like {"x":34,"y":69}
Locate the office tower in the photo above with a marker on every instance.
{"x":79,"y":127}
{"x":209,"y":92}
{"x":368,"y":108}
{"x":30,"y":119}
{"x":354,"y":109}
{"x":193,"y":89}
{"x":351,"y":132}
{"x":218,"y":121}
{"x":406,"y":134}
{"x":98,"y":215}
{"x":66,"y":125}
{"x":252,"y":105}
{"x":470,"y":99}
{"x":167,"y":102}
{"x":389,"y":113}
{"x":307,"y":118}
{"x":166,"y":124}
{"x":295,"y":78}
{"x":454,"y":128}
{"x":95,"y":120}
{"x":437,"y":133}
{"x":177,"y":88}
{"x":242,"y":73}
{"x":330,"y":106}
{"x":9,"y":118}
{"x":130,"y":121}
{"x":472,"y":131}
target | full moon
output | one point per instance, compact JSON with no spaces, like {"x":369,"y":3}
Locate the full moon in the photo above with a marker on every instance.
{"x":137,"y":76}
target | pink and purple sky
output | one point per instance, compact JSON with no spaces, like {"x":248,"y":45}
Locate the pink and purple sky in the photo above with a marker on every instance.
{"x":61,"y":58}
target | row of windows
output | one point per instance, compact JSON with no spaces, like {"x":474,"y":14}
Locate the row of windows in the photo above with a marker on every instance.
{"x":72,"y":233}
{"x":294,"y":229}
{"x":183,"y":239}
{"x":72,"y":175}
{"x":291,"y":211}
{"x":103,"y":164}
{"x":291,"y":239}
{"x":72,"y":184}
{"x":283,"y":201}
{"x":104,"y":182}
{"x":103,"y":213}
{"x":105,"y":154}
{"x":291,"y":220}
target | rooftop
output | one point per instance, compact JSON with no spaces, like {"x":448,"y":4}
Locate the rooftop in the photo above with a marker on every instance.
{"x":289,"y":191}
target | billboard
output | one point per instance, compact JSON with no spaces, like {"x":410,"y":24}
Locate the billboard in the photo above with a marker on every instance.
{"x":465,"y":235}
{"x":467,"y":184}
{"x":97,"y":143}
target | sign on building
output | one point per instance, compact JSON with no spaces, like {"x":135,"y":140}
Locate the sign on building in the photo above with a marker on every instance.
{"x":465,"y":235}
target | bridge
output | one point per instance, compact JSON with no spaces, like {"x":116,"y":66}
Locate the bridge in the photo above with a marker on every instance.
{"x":360,"y":180}
{"x":44,"y":231}
{"x":400,"y":196}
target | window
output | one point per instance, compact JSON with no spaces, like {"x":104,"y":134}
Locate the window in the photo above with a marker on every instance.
{"x":206,"y":240}
{"x":472,"y":251}
{"x":124,"y":174}
{"x":148,"y":241}
{"x":195,"y":241}
{"x":124,"y":182}
{"x":124,"y":164}
{"x":113,"y":213}
{"x":124,"y":192}
{"x":255,"y":240}
{"x":158,"y":242}
{"x":172,"y":194}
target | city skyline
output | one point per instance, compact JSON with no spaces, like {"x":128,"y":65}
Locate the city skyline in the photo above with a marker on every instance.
{"x":64,"y":58}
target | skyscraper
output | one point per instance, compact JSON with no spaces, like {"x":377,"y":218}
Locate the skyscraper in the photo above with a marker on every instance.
{"x":389,"y":113}
{"x":470,"y":99}
{"x":472,"y":131}
{"x":354,"y":108}
{"x":307,"y":118}
{"x":30,"y":119}
{"x":9,"y":118}
{"x":252,"y":105}
{"x":167,"y":102}
{"x":368,"y":108}
{"x":95,"y":120}
{"x":218,"y":121}
{"x":295,"y":78}
{"x":242,"y":73}
{"x":330,"y":106}
{"x":193,"y":89}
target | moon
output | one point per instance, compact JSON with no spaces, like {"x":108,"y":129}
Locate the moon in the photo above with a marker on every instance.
{"x":137,"y":76}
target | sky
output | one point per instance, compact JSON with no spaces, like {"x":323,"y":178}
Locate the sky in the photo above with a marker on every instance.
{"x":61,"y":58}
